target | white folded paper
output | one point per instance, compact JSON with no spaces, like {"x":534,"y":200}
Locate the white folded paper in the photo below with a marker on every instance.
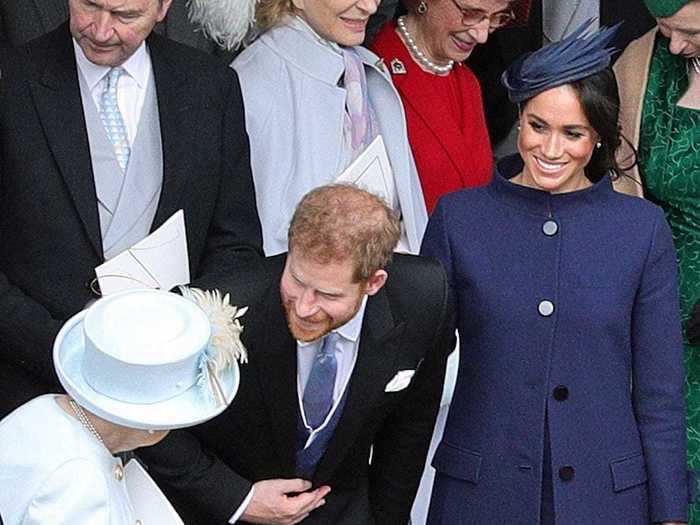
{"x":158,"y":261}
{"x":150,"y":505}
{"x":371,"y":171}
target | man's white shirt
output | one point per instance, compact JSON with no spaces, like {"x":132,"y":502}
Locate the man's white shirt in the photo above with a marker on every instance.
{"x":131,"y":90}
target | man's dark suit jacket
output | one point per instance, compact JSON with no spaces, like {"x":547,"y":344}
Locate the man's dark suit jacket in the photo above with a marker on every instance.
{"x":49,"y":227}
{"x":24,"y":20}
{"x":207,"y":472}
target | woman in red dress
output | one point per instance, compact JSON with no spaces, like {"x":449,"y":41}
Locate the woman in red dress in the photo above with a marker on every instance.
{"x":425,"y":51}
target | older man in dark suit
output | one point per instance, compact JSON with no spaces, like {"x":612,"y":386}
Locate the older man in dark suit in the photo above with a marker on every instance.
{"x":346,"y":356}
{"x":106,"y":130}
{"x":24,"y":20}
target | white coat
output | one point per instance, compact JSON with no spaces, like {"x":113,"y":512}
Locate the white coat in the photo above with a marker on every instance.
{"x":52,"y":470}
{"x":294,"y":111}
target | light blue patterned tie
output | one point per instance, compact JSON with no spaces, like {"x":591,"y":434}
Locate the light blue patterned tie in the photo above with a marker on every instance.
{"x":112,"y":118}
{"x":318,"y":394}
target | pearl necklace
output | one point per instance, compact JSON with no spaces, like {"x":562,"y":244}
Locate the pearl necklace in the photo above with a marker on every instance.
{"x":695,"y":62}
{"x":82,"y":417}
{"x":418,"y":54}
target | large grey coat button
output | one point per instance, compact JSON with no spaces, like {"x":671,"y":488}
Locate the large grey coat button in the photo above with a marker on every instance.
{"x":546,"y":308}
{"x":550,"y":228}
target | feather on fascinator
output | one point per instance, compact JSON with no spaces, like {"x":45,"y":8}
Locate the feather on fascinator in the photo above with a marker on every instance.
{"x":225,"y":346}
{"x":575,"y":57}
{"x":226,"y":22}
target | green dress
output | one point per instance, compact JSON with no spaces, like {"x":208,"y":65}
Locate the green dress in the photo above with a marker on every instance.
{"x":669,"y":158}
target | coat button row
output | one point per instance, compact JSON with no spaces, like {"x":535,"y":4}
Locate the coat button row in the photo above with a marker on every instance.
{"x":550,"y":228}
{"x":546,"y":308}
{"x":566,"y":473}
{"x":561,"y":393}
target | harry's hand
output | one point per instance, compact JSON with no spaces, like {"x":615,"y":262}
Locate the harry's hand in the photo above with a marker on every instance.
{"x":283,"y":501}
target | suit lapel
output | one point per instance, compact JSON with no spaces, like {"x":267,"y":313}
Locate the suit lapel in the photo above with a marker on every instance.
{"x":176,"y":127}
{"x":379,"y":344}
{"x":51,"y":12}
{"x":277,"y":374}
{"x":57,"y":98}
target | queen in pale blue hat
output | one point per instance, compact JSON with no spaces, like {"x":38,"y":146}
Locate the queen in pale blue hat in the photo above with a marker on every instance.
{"x":134,"y":366}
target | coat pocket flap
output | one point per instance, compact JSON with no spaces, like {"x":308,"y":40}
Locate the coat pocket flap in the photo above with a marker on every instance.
{"x":628,"y":472}
{"x":457,"y":462}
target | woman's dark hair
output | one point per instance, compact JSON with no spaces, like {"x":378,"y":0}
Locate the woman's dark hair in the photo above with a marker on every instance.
{"x":600,"y":100}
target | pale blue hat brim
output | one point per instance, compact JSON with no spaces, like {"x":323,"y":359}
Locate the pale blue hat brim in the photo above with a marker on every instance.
{"x":193,"y":406}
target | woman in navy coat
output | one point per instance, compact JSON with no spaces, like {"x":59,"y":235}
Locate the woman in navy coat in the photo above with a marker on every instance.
{"x":569,"y":404}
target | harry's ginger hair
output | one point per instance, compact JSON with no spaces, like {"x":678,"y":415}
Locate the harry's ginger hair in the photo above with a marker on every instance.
{"x":340,"y":221}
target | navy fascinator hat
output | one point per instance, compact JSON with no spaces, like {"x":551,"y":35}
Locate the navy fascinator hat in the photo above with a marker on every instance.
{"x":575,"y":57}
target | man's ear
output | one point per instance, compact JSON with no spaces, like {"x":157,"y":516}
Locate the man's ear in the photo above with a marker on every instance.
{"x":163,"y":9}
{"x":376,"y":281}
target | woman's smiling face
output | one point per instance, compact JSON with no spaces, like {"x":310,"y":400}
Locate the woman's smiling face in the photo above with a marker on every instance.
{"x":556,"y":141}
{"x":446,"y":35}
{"x":340,"y":21}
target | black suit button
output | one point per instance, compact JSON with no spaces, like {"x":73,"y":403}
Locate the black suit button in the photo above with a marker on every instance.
{"x":550,"y":228}
{"x":561,"y":393}
{"x":566,"y":473}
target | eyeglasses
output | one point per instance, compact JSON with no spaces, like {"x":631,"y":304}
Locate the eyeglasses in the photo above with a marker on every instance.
{"x":472,"y":16}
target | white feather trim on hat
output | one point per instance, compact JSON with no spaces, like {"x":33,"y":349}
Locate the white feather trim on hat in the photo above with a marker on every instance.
{"x":226,"y":22}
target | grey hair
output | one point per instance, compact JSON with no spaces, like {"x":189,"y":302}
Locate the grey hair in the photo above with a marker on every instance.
{"x":226,"y":22}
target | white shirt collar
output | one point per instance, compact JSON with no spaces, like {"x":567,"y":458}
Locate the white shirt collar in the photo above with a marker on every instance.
{"x":350,"y":331}
{"x":137,"y":66}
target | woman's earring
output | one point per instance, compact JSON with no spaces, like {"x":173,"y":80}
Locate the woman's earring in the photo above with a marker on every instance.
{"x":422,"y":7}
{"x":598,"y":145}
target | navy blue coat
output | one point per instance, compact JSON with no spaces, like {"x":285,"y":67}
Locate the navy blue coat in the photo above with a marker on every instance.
{"x":577,"y":320}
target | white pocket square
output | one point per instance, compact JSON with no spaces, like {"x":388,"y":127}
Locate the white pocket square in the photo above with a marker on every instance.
{"x":400,"y":381}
